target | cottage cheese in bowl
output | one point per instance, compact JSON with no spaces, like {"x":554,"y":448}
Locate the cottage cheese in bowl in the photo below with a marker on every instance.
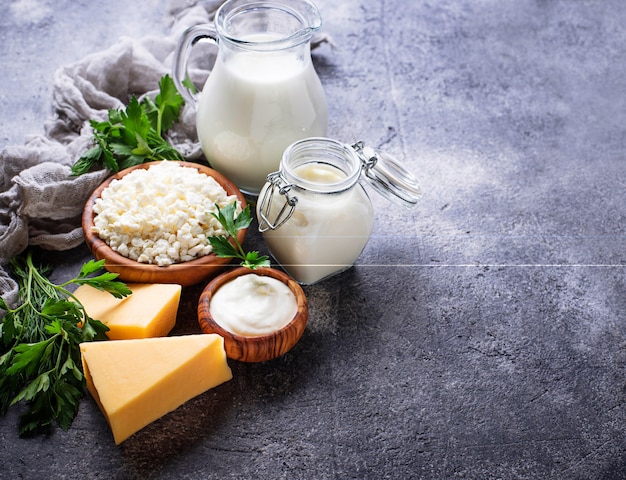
{"x":151,"y":223}
{"x":161,"y":215}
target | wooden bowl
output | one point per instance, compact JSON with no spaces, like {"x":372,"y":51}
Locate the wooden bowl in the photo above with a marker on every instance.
{"x":184,"y":273}
{"x":255,"y":348}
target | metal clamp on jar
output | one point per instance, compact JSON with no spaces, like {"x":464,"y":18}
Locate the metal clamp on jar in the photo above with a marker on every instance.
{"x":315,"y":215}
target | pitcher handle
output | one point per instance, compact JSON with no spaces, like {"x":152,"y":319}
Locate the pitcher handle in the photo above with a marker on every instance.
{"x":190,"y":37}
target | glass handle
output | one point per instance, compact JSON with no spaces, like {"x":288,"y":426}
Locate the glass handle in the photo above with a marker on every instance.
{"x":190,"y":37}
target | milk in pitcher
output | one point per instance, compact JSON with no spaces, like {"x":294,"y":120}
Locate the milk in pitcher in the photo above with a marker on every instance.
{"x":253,"y":105}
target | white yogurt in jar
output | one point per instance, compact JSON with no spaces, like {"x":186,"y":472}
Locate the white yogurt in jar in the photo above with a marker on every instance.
{"x":327,"y":232}
{"x":252,"y":305}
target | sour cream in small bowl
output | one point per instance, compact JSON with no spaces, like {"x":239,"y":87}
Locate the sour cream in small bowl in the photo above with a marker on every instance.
{"x":261,"y":313}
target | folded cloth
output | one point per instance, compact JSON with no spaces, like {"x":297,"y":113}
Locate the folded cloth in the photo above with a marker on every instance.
{"x":40,"y":201}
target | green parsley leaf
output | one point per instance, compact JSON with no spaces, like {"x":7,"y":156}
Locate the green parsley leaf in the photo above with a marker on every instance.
{"x":169,"y":103}
{"x":229,"y":246}
{"x":89,"y":267}
{"x":135,"y":122}
{"x":223,"y":248}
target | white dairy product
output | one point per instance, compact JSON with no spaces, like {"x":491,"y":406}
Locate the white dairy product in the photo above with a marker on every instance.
{"x":253,"y":105}
{"x":326,"y":233}
{"x":161,"y":215}
{"x":252,"y":305}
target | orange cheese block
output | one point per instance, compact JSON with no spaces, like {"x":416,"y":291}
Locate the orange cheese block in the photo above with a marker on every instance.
{"x":135,"y":382}
{"x":150,"y":311}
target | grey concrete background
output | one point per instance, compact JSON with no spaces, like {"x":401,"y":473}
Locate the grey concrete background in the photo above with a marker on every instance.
{"x":481,"y":335}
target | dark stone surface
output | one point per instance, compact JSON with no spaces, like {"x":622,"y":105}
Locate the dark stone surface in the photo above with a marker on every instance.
{"x":481,"y":335}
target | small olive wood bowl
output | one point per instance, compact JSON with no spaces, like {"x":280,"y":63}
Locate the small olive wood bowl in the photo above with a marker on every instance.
{"x":185,"y":273}
{"x":255,"y":348}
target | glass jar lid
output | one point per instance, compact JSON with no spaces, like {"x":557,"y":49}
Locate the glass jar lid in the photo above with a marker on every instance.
{"x":388,"y":177}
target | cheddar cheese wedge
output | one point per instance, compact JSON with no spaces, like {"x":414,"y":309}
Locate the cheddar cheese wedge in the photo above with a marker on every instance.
{"x":135,"y":382}
{"x":150,"y":311}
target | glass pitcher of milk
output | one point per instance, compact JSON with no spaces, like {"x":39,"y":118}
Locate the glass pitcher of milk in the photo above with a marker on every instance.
{"x":262,"y":93}
{"x":315,"y":216}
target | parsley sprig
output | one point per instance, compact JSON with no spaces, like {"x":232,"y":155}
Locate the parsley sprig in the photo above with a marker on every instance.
{"x":39,"y":342}
{"x":134,"y":135}
{"x":223,"y":247}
